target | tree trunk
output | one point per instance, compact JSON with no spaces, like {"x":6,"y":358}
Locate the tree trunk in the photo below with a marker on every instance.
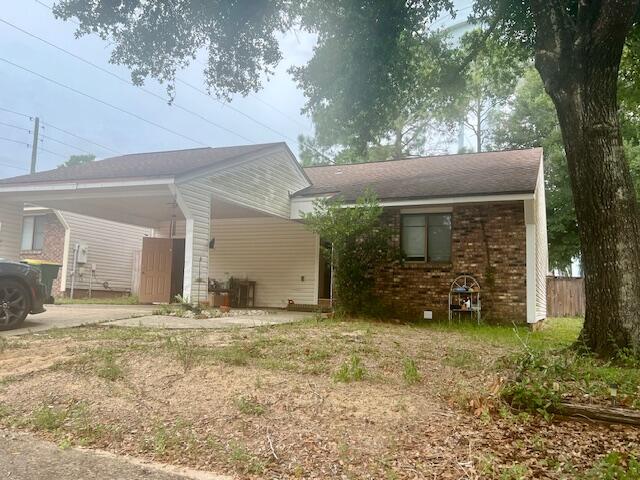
{"x":580,"y":71}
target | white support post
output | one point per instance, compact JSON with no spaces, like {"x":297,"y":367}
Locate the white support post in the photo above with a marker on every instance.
{"x":529,"y":218}
{"x":10,"y":229}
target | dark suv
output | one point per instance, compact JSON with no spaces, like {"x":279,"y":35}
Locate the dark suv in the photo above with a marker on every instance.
{"x":21,"y":293}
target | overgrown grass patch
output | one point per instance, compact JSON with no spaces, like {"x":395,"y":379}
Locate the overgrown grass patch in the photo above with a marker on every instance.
{"x":101,"y":361}
{"x":410,"y":372}
{"x":123,"y":300}
{"x":541,"y":379}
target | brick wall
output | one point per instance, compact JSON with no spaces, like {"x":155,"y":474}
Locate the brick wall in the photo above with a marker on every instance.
{"x":53,"y":246}
{"x":488,"y":241}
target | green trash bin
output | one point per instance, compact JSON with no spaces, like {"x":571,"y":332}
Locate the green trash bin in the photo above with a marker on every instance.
{"x":48,"y":272}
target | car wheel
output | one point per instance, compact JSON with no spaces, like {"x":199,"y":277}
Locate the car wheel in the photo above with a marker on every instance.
{"x":14,"y":304}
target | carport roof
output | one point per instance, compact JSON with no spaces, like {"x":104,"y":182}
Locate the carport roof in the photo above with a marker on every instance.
{"x":144,"y":165}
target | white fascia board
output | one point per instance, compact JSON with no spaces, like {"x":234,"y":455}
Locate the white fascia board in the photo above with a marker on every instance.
{"x":300,"y":205}
{"x":49,"y":187}
{"x":65,"y":253}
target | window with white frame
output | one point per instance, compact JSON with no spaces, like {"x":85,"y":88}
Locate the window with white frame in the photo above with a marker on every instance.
{"x":426,"y":236}
{"x":33,"y":232}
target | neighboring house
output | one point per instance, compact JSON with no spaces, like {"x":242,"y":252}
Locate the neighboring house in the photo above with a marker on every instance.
{"x":236,"y":212}
{"x":110,"y":266}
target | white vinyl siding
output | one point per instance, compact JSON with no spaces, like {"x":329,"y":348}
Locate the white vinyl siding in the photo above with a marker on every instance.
{"x":281,"y":256}
{"x":112,"y":248}
{"x":10,"y":230}
{"x":542,"y":248}
{"x":264,"y":184}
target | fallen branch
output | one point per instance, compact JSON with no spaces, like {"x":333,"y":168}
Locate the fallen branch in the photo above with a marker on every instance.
{"x":600,"y":412}
{"x":273,"y":452}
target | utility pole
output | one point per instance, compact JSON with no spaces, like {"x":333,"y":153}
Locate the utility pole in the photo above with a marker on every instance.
{"x":34,"y":146}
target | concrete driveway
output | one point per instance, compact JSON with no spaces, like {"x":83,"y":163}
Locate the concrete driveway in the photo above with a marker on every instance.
{"x":62,"y":316}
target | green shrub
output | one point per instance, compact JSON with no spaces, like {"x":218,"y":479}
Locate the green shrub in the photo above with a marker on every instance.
{"x":359,"y":244}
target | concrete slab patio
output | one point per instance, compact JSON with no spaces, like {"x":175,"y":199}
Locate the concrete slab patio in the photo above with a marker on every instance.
{"x":237,"y":320}
{"x":63,"y":316}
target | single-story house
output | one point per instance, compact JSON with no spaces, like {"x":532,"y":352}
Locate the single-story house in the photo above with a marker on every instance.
{"x":105,"y":254}
{"x":236,"y":212}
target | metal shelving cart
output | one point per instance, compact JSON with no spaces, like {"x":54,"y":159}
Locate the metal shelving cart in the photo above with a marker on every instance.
{"x":464,"y":298}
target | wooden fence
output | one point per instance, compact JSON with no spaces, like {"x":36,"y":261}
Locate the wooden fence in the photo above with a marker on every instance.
{"x":565,"y":297}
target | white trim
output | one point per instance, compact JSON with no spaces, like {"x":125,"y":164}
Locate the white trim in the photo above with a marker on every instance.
{"x":530,"y":248}
{"x":455,"y":200}
{"x":188,"y":260}
{"x":65,"y":254}
{"x":46,"y":187}
{"x":316,"y":294}
{"x":531,"y":272}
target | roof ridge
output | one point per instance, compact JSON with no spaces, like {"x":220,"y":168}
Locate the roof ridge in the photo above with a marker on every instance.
{"x":422,"y":157}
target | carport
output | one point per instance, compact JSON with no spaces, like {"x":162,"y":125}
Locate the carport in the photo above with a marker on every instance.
{"x":176,"y":193}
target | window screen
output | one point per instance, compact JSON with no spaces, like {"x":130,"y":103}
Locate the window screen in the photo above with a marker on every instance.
{"x":413,"y":236}
{"x":428,"y":234}
{"x":33,"y":233}
{"x":439,"y":238}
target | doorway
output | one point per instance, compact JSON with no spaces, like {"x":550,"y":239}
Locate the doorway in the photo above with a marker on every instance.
{"x":161,"y":269}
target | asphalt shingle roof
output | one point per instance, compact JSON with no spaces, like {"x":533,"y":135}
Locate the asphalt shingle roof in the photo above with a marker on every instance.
{"x":486,"y":173}
{"x":141,"y":165}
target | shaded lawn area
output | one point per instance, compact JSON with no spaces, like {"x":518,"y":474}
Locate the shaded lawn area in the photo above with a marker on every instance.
{"x":322,"y":399}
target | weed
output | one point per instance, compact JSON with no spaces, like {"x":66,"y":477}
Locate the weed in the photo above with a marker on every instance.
{"x":410,"y":371}
{"x":615,"y":466}
{"x":461,"y":358}
{"x":65,"y":444}
{"x":185,"y":351}
{"x":351,"y":370}
{"x":244,"y":461}
{"x":514,"y":472}
{"x":249,"y":405}
{"x":49,"y":418}
{"x":4,"y":344}
{"x":108,"y":368}
{"x":169,"y":438}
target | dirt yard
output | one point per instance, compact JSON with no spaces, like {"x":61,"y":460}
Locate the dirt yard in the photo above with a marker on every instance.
{"x":308,"y":400}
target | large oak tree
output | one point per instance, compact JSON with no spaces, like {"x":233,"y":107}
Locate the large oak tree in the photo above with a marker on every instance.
{"x":378,"y":47}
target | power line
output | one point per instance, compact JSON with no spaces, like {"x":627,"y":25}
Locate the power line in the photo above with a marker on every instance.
{"x":276,"y":109}
{"x":103,"y":102}
{"x":264,"y":125}
{"x":49,"y":125}
{"x":53,"y":153}
{"x":51,"y":8}
{"x":125,"y":80}
{"x":66,"y":144}
{"x":16,"y":113}
{"x":13,"y":166}
{"x":16,"y":127}
{"x":15,"y":141}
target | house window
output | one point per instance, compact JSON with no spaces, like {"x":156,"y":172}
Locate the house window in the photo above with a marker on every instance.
{"x":33,"y":232}
{"x":427,"y":236}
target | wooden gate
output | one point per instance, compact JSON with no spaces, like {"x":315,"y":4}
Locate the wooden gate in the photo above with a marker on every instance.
{"x":565,"y":297}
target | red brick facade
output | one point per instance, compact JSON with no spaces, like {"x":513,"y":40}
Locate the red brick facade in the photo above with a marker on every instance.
{"x":52,"y":248}
{"x":488,"y":241}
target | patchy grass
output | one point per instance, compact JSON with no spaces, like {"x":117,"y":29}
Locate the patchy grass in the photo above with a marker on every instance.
{"x":326,"y":399}
{"x":123,"y":300}
{"x":249,"y":405}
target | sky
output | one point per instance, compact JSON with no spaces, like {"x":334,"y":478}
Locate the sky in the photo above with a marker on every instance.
{"x":71,"y":121}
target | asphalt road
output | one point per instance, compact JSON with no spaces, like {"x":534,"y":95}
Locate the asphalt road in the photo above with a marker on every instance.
{"x":24,"y":457}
